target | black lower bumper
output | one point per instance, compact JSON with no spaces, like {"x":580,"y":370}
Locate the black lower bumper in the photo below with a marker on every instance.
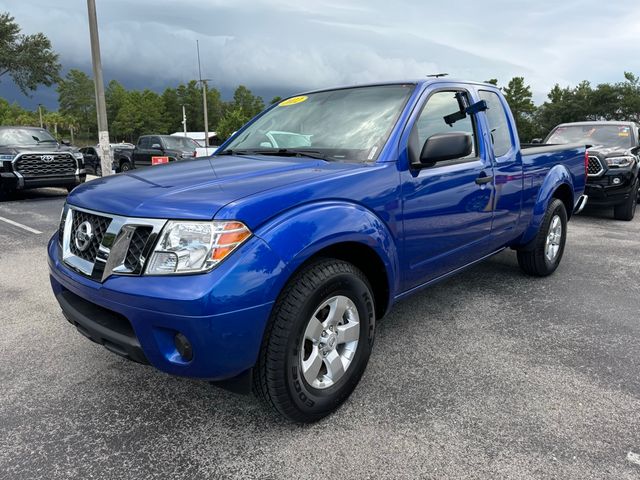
{"x":102,"y":326}
{"x":602,"y":196}
{"x":11,"y":181}
{"x":612,"y":188}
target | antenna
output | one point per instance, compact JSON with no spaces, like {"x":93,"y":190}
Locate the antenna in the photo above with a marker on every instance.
{"x":437,"y":75}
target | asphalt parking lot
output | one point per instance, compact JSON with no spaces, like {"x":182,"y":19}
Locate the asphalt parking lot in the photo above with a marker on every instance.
{"x":490,"y":374}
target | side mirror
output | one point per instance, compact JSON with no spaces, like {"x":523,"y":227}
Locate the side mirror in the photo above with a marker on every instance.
{"x":156,"y":146}
{"x":536,"y":140}
{"x":445,"y":146}
{"x":66,"y":142}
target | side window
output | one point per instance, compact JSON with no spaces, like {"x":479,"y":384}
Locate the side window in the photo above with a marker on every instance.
{"x":143,"y":142}
{"x":433,"y":119}
{"x":498,"y":123}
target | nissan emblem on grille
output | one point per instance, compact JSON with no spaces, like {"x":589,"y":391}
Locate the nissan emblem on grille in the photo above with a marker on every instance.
{"x":47,"y":158}
{"x":83,"y":236}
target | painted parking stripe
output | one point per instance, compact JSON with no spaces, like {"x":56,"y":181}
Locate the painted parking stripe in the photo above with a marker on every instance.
{"x":19,"y":225}
{"x":633,"y":458}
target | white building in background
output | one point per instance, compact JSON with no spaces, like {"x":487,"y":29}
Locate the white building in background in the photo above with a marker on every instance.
{"x":205,"y":148}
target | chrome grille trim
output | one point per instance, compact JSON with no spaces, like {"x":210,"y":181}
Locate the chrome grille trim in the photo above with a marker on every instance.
{"x":595,"y":167}
{"x":111,"y":257}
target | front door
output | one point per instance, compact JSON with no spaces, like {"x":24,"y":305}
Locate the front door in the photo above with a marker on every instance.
{"x":447,"y":207}
{"x":147,"y":147}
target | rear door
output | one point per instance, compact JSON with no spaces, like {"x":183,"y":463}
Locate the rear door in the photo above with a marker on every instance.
{"x":507,"y":165}
{"x":447,"y":208}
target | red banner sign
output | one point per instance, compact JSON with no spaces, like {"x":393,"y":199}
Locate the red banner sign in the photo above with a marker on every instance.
{"x":159,"y":160}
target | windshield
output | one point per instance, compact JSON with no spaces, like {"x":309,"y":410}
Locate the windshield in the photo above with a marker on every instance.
{"x":180,"y":143}
{"x":25,"y":136}
{"x":593,"y":134}
{"x":350,"y":124}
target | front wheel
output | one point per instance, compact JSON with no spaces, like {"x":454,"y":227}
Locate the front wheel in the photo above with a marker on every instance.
{"x":543,"y":255}
{"x":125,"y":166}
{"x":318,"y":341}
{"x":627,"y":210}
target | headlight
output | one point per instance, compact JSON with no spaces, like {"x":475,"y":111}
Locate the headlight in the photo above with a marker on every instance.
{"x":619,"y":161}
{"x":78,"y":155}
{"x":192,"y":247}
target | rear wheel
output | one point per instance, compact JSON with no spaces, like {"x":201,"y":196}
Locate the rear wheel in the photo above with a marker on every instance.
{"x":318,"y":341}
{"x":125,"y":166}
{"x":98,"y":171}
{"x":543,"y":255}
{"x":627,"y":210}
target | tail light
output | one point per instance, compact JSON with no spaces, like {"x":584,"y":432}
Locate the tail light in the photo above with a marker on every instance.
{"x":586,"y":162}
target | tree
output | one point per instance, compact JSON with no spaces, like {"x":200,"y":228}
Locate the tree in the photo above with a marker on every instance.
{"x":28,"y":59}
{"x":276,"y":99}
{"x":76,"y":97}
{"x":519,"y":97}
{"x":492,"y":81}
{"x":141,"y":113}
{"x":233,"y":119}
{"x":115,"y":97}
{"x":246,"y":101}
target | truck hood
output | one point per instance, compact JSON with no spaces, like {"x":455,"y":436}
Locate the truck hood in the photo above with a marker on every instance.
{"x":44,"y":148}
{"x":195,"y":189}
{"x":605,"y":152}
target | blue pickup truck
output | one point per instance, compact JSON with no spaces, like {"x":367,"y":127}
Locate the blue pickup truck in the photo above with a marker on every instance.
{"x":266,"y":267}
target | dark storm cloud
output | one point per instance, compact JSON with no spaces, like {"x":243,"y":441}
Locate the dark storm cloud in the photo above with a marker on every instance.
{"x":285,"y":46}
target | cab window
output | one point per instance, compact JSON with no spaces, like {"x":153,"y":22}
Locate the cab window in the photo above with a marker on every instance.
{"x":443,"y":113}
{"x":498,"y":123}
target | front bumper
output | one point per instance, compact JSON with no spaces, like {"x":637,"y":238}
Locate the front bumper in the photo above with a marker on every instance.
{"x":139,"y":317}
{"x":603,"y":192}
{"x":11,"y":181}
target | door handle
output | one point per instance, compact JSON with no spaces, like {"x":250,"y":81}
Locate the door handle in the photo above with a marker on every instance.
{"x":482,"y":180}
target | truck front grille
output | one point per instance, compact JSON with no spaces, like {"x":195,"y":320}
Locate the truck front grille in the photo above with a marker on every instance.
{"x":595,"y":167}
{"x":96,"y":225}
{"x":45,"y":164}
{"x":134,"y":259}
{"x":99,"y":245}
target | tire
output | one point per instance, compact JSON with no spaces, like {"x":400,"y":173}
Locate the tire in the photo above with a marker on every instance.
{"x":125,"y":166}
{"x":307,"y":368}
{"x":627,"y":210}
{"x":535,"y":259}
{"x":98,"y":171}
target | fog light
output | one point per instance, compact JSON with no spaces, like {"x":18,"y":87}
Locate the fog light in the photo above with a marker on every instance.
{"x":616,"y":180}
{"x":183,"y":346}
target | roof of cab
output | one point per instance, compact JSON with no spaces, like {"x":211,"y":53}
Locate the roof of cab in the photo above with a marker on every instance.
{"x":417,"y":82}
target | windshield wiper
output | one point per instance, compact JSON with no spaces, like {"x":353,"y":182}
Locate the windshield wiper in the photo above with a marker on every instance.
{"x":291,"y":152}
{"x":229,"y":151}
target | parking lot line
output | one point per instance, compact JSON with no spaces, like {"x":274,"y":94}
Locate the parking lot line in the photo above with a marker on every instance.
{"x":20,"y":225}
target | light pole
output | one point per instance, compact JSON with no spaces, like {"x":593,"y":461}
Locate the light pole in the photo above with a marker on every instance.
{"x":203,"y":84}
{"x":40,"y":113}
{"x":101,"y":106}
{"x":184,"y":120}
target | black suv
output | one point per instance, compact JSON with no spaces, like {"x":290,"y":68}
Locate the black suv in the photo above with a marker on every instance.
{"x":150,"y":148}
{"x":30,"y":157}
{"x":614,"y":158}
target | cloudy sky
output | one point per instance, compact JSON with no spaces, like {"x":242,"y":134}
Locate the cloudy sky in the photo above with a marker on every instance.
{"x":278,"y":47}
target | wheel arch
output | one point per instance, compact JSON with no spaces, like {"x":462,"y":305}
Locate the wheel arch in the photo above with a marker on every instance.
{"x":558,"y":184}
{"x":341,"y":230}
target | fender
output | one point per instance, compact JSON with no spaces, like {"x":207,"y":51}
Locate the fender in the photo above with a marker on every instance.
{"x":299,"y":233}
{"x":557,"y":176}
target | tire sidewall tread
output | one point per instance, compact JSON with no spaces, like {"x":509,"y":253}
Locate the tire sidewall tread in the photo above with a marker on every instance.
{"x":278,"y":379}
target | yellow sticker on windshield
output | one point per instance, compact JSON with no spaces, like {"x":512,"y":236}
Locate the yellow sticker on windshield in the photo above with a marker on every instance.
{"x":292,"y":101}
